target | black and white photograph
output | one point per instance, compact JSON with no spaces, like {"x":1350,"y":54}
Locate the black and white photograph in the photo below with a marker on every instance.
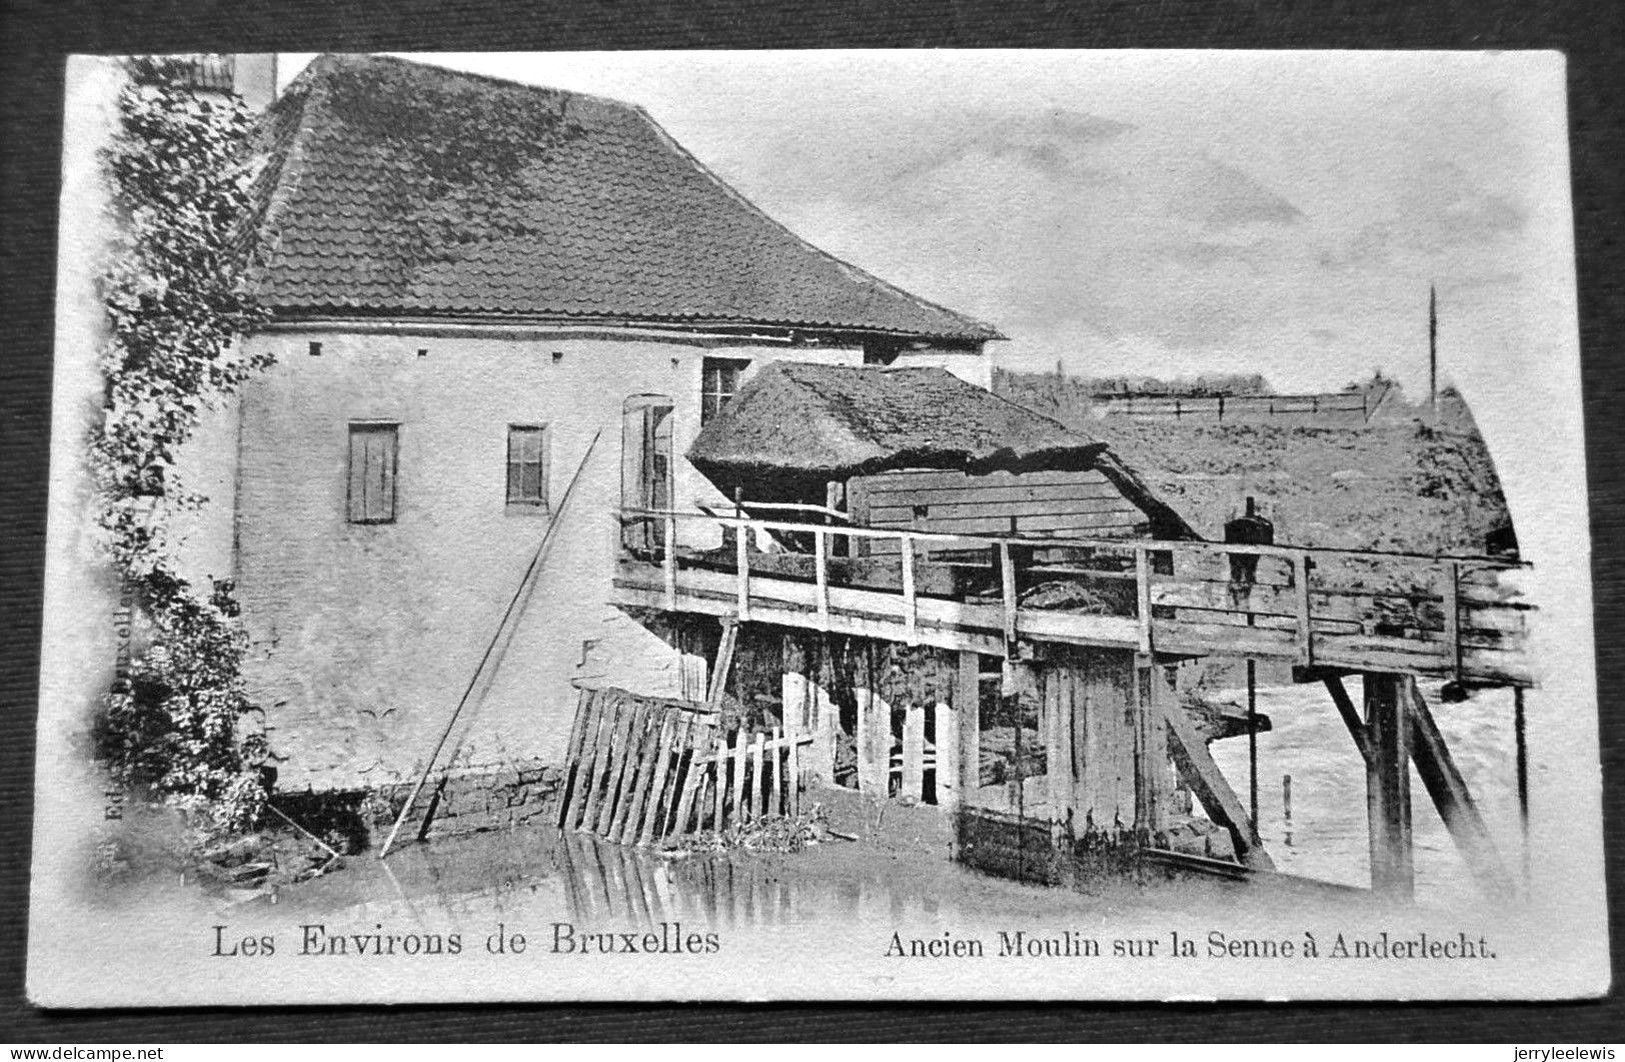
{"x":816,"y":525}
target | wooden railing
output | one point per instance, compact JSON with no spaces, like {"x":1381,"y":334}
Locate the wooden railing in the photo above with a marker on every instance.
{"x":1455,"y":616}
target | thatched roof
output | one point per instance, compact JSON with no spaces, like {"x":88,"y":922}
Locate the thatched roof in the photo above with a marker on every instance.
{"x":837,"y":421}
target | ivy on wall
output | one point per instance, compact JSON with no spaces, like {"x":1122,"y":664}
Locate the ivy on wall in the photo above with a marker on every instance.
{"x":177,"y":307}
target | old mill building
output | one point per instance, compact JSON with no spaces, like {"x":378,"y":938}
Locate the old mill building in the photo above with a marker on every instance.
{"x":560,"y":424}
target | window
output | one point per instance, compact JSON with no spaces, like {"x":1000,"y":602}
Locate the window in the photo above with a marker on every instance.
{"x":646,"y":467}
{"x":527,"y":464}
{"x":719,"y":382}
{"x":372,"y":473}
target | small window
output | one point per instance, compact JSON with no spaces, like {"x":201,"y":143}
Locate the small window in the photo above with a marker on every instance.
{"x":372,"y":473}
{"x":719,"y":382}
{"x":527,"y":464}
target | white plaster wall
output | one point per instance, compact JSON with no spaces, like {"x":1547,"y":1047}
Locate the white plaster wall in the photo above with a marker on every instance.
{"x":972,"y":368}
{"x":365,"y":636}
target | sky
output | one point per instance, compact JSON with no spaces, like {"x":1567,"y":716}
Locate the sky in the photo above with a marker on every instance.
{"x":1162,"y":213}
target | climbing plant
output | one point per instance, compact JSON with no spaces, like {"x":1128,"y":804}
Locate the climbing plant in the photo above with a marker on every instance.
{"x":177,"y":308}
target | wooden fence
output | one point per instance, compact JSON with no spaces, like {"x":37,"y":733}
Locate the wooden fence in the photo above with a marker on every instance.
{"x":1345,"y":404}
{"x":641,"y":770}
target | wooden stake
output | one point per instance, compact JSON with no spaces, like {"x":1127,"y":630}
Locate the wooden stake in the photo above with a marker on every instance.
{"x":741,"y":748}
{"x":754,"y":802}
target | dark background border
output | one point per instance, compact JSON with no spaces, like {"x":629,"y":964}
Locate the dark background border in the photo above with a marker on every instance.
{"x":37,"y":34}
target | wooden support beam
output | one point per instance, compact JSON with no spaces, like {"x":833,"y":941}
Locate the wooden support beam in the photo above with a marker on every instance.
{"x":725,"y":659}
{"x":1301,"y":566}
{"x":1351,"y":716}
{"x":944,"y":728}
{"x":668,"y":563}
{"x":1388,"y":787}
{"x":968,"y":715}
{"x":1208,"y":783}
{"x":1450,"y":595}
{"x":1007,"y":584}
{"x":720,"y":782}
{"x":911,"y":605}
{"x":742,"y":571}
{"x":1149,"y":748}
{"x":913,"y":774}
{"x":753,"y":801}
{"x":741,"y":751}
{"x":1142,"y":585}
{"x":1444,"y":783}
{"x":821,"y":575}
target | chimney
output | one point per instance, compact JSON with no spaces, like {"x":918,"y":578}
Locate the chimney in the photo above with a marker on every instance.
{"x":254,"y":79}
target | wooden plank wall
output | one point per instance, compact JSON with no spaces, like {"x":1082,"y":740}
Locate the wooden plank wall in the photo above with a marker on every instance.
{"x":1090,"y":696}
{"x":1082,"y":503}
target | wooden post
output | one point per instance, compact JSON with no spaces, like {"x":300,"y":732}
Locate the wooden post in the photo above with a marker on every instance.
{"x":967,"y":742}
{"x":669,"y":563}
{"x":1388,"y":787}
{"x":944,"y":723}
{"x":721,"y":790}
{"x":754,"y":803}
{"x":911,"y":607}
{"x":1007,"y":583}
{"x":1150,"y":750}
{"x":821,"y":575}
{"x":792,"y":770}
{"x":741,"y":750}
{"x":1142,"y":585}
{"x":1300,"y":576}
{"x":1450,"y":593}
{"x":1058,"y":750}
{"x":742,"y":571}
{"x":692,"y":778}
{"x":913,"y":783}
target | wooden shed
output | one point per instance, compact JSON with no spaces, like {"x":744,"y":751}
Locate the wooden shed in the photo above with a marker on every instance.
{"x":920,"y":448}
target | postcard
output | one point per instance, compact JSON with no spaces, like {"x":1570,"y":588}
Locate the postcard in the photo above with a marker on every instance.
{"x":816,"y":525}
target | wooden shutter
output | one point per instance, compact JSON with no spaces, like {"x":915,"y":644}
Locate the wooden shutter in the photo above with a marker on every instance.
{"x":372,"y":473}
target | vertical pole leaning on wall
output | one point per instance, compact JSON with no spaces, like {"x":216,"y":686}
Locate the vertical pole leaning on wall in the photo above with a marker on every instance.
{"x":494,"y":650}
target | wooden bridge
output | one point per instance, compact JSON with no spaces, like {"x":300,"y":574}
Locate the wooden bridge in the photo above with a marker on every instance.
{"x":1388,"y":618}
{"x":1459,"y":618}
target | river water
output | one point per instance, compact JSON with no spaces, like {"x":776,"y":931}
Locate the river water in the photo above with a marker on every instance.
{"x":1326,"y":836}
{"x":536,"y":873}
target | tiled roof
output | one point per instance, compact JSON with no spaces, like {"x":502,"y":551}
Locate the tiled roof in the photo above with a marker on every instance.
{"x":397,"y":189}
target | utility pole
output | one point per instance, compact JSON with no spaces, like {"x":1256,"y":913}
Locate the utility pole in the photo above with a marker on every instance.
{"x":1433,"y":348}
